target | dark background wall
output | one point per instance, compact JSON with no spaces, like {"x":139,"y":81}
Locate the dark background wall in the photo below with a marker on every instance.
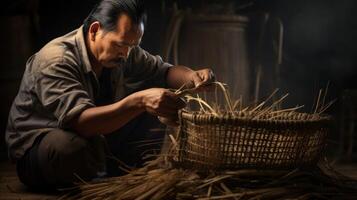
{"x":320,"y":42}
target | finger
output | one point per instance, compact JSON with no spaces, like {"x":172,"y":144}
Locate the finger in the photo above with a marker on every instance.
{"x":197,"y":79}
{"x":180,"y":103}
{"x":174,"y":104}
{"x":175,"y":100}
{"x":204,"y":76}
{"x":166,"y":107}
{"x":170,"y":106}
{"x":206,"y":84}
{"x":207,"y":76}
{"x":212,"y":76}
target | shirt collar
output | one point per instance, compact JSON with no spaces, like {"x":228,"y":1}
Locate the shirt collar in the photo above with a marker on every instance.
{"x":80,"y":41}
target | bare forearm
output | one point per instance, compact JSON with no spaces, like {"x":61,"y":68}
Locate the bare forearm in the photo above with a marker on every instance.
{"x":106,"y":119}
{"x":179,"y":75}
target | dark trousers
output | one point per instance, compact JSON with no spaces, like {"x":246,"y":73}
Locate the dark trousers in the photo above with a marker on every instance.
{"x":59,"y":157}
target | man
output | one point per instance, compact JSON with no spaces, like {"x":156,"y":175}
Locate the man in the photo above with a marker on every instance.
{"x":88,"y":83}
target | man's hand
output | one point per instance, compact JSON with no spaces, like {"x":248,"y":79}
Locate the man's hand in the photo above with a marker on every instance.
{"x":157,"y":101}
{"x":162,"y":102}
{"x":202,"y":77}
{"x":180,"y":75}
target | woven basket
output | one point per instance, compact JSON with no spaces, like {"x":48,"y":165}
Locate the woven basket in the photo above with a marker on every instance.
{"x":207,"y":142}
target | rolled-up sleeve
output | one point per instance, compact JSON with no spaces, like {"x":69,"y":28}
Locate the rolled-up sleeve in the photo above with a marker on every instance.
{"x":60,"y":91}
{"x":146,"y":68}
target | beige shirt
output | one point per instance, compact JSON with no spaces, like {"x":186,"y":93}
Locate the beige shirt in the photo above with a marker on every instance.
{"x":58,"y":84}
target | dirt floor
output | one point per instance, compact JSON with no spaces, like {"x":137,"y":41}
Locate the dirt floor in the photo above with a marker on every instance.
{"x":11,"y":188}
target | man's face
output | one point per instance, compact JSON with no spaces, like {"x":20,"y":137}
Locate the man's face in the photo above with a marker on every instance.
{"x":113,"y":47}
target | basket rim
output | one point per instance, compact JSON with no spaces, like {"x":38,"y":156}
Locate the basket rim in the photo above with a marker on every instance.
{"x":199,"y":118}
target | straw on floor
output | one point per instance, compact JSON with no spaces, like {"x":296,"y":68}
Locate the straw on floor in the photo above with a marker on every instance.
{"x":235,"y":152}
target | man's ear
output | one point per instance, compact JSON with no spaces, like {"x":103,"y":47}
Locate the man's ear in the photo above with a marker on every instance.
{"x":94,"y":29}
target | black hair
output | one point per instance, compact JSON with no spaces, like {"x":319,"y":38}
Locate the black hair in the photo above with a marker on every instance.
{"x":108,"y":11}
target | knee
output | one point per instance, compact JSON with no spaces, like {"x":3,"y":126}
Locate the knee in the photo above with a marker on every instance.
{"x":62,"y":153}
{"x":63,"y":143}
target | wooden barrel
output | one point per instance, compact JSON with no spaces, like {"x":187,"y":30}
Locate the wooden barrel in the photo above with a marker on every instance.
{"x":232,"y":45}
{"x":219,"y":42}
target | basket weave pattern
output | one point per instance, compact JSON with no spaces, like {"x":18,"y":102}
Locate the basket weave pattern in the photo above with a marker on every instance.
{"x":208,"y":142}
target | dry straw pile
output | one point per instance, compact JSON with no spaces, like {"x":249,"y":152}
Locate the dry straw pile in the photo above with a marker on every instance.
{"x":235,"y":152}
